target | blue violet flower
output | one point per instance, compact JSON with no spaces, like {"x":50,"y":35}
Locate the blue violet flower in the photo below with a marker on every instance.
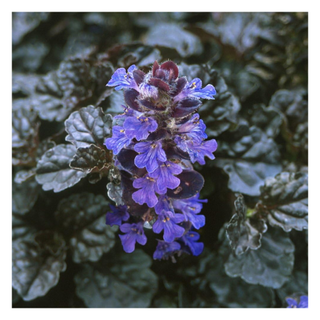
{"x":155,"y":142}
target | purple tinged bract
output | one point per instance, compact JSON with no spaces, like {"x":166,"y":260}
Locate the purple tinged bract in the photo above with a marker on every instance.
{"x":133,"y":233}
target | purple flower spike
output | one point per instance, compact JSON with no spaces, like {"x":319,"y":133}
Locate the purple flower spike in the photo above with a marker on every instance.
{"x":139,"y":127}
{"x":167,"y":221}
{"x":194,"y":129}
{"x":303,"y":303}
{"x":118,"y":141}
{"x":122,"y":79}
{"x":133,"y":233}
{"x":194,"y":89}
{"x":147,"y":192}
{"x":117,"y":215}
{"x":189,"y":239}
{"x":150,"y":154}
{"x":155,"y":143}
{"x":197,"y":152}
{"x":165,"y":176}
{"x":165,"y":249}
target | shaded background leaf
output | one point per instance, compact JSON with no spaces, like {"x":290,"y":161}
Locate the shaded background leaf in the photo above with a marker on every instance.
{"x":125,"y":281}
{"x":271,"y":265}
{"x":35,"y":270}
{"x":82,"y":219}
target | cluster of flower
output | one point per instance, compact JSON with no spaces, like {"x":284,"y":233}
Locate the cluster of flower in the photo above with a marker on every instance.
{"x":154,"y":143}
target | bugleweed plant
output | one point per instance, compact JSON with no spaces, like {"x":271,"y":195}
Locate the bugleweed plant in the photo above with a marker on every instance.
{"x":161,"y":162}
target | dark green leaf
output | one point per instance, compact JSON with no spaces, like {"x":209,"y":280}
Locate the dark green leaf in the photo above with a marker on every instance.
{"x":268,"y":119}
{"x":246,"y":28}
{"x":90,"y":160}
{"x":115,"y":101}
{"x":88,"y":126}
{"x":244,"y":233}
{"x":124,"y":55}
{"x":285,"y":199}
{"x":270,"y":266}
{"x":82,"y":217}
{"x":23,"y":84}
{"x":122,"y":282}
{"x":292,"y":103}
{"x":248,"y":157}
{"x":15,"y":296}
{"x":21,"y":228}
{"x":24,"y":175}
{"x":53,"y":170}
{"x":298,"y":284}
{"x":233,"y":292}
{"x":25,"y":22}
{"x":220,"y":114}
{"x":35,"y":269}
{"x":24,"y":136}
{"x":24,"y":196}
{"x":29,"y":55}
{"x":115,"y":193}
{"x":173,"y":36}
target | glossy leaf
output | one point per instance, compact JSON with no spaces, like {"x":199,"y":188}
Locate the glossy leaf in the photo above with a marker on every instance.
{"x":244,"y":233}
{"x":82,"y":217}
{"x":248,"y":160}
{"x":298,"y":284}
{"x":234,"y":292}
{"x":91,"y":159}
{"x":53,"y":170}
{"x":24,"y":196}
{"x":122,"y":282}
{"x":270,"y":266}
{"x":115,"y":193}
{"x":22,"y":228}
{"x":88,"y":126}
{"x":24,"y":136}
{"x":173,"y":36}
{"x":24,"y":22}
{"x":285,"y":199}
{"x":268,"y":119}
{"x":35,"y":269}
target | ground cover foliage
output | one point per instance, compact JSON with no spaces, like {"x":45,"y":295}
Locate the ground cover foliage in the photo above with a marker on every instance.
{"x":63,"y":182}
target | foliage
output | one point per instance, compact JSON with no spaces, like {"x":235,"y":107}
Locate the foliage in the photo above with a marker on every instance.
{"x":65,"y":178}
